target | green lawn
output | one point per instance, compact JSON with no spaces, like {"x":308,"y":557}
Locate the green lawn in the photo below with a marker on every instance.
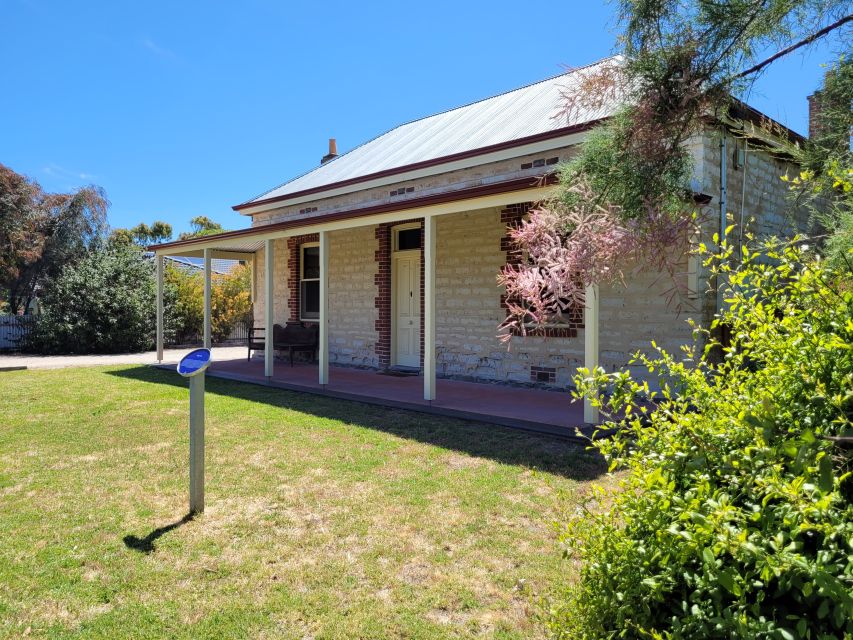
{"x":324,"y":519}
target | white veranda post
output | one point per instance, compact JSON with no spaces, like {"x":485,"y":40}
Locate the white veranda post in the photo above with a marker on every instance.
{"x":324,"y":308}
{"x":591,"y":330}
{"x":207,"y":296}
{"x":429,"y":308}
{"x":269,"y":262}
{"x":159,"y":263}
{"x":197,"y":443}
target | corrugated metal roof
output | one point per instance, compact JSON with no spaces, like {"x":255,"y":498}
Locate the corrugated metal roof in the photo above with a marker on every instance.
{"x":510,"y":116}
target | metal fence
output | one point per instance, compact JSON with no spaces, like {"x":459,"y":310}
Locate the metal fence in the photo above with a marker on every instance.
{"x":239,"y":333}
{"x":13,"y":329}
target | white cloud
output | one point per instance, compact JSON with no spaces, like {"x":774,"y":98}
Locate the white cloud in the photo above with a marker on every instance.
{"x":56,"y":171}
{"x":157,"y":50}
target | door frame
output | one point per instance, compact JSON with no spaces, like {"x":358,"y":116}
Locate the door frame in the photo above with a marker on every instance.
{"x":395,"y":253}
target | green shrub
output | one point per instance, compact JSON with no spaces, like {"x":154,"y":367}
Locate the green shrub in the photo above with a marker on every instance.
{"x":231,"y":303}
{"x":102,"y":304}
{"x":733,"y":518}
{"x":183,"y":306}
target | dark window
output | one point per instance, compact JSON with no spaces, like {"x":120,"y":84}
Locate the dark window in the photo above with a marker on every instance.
{"x":408,"y":239}
{"x":310,"y":299}
{"x":310,"y":263}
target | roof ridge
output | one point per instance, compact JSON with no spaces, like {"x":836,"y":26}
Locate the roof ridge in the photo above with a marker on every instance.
{"x":567,"y":72}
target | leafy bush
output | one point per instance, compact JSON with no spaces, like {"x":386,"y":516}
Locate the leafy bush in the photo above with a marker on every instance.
{"x":230,"y":303}
{"x":102,"y":304}
{"x":734,"y":514}
{"x":183,"y":305}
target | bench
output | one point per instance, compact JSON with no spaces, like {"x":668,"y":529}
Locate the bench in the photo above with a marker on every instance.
{"x":293,"y":337}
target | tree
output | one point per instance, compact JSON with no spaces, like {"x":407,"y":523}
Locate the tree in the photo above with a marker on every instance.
{"x":626,"y":195}
{"x":20,"y":239}
{"x":201,"y":226}
{"x":825,"y":185}
{"x":41,"y":233}
{"x":734,"y":517}
{"x":142,"y":234}
{"x":104,"y":303}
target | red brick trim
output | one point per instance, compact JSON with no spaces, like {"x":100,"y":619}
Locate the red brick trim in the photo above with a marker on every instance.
{"x":511,"y":216}
{"x":293,"y":258}
{"x":553,"y":332}
{"x":382,"y":302}
{"x":384,"y":323}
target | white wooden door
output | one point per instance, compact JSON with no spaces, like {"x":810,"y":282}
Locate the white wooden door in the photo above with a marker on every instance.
{"x":407,"y":309}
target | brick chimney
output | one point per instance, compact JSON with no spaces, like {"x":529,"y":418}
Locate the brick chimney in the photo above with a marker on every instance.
{"x":333,"y":151}
{"x":817,"y":101}
{"x":814,"y":114}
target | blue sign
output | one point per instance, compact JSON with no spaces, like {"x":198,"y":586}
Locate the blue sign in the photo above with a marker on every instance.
{"x":194,"y":362}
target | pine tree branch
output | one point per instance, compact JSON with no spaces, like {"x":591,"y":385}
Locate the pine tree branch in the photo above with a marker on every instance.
{"x":816,"y":35}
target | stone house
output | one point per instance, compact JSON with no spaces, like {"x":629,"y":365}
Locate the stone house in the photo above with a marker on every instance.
{"x":394,"y":247}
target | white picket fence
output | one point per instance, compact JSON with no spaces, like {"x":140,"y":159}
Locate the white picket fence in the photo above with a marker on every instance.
{"x":12,"y":330}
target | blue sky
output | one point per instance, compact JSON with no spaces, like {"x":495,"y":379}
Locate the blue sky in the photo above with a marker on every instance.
{"x":180,"y":109}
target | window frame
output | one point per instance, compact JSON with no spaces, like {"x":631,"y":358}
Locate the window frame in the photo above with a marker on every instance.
{"x":302,"y":278}
{"x":395,"y":236}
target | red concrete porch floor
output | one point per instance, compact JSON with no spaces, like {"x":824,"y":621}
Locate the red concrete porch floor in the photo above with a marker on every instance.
{"x":551,"y":412}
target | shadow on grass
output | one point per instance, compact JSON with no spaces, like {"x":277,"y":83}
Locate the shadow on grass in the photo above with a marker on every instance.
{"x":502,"y":444}
{"x":146,"y":544}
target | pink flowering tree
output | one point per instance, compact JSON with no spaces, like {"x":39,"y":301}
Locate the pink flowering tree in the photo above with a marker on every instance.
{"x":625,"y":202}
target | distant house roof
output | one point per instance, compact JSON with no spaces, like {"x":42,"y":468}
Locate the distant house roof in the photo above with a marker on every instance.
{"x":218,"y":266}
{"x":510,"y":117}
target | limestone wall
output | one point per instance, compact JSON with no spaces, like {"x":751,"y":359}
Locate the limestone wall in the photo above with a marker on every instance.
{"x":439,"y":183}
{"x":279,"y":284}
{"x":352,"y":293}
{"x":758,"y":200}
{"x":468,"y":312}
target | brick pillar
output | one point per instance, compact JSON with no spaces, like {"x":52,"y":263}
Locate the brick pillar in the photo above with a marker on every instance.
{"x":511,"y":216}
{"x":383,"y":295}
